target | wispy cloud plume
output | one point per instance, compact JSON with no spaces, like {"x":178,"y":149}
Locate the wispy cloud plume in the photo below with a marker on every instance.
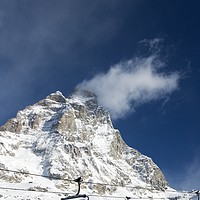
{"x":131,"y":83}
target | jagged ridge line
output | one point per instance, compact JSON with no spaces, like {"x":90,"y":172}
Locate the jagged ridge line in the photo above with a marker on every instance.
{"x":86,"y":182}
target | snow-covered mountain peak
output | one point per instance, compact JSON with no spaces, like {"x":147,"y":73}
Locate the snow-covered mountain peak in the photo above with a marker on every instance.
{"x":57,"y":96}
{"x":72,"y":137}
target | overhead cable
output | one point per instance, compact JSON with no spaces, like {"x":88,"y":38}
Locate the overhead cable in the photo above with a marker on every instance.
{"x":86,"y":182}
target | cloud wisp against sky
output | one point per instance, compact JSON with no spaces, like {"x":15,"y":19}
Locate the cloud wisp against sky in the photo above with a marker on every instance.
{"x":131,"y":83}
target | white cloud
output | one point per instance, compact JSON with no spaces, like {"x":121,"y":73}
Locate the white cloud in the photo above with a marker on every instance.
{"x":131,"y":83}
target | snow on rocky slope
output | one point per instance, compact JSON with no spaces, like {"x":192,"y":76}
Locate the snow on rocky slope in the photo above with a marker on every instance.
{"x":67,"y":138}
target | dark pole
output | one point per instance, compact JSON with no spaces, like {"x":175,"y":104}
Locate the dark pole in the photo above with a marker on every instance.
{"x":78,"y":180}
{"x":197,"y":192}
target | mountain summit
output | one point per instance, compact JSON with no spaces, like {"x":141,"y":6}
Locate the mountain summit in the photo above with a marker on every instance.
{"x":72,"y":137}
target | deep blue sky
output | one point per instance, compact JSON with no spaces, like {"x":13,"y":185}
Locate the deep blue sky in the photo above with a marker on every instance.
{"x":54,"y":45}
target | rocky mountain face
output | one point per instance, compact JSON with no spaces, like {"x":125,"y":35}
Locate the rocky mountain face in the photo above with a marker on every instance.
{"x":72,"y":137}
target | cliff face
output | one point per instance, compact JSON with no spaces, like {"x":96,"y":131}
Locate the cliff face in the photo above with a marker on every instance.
{"x":72,"y":137}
